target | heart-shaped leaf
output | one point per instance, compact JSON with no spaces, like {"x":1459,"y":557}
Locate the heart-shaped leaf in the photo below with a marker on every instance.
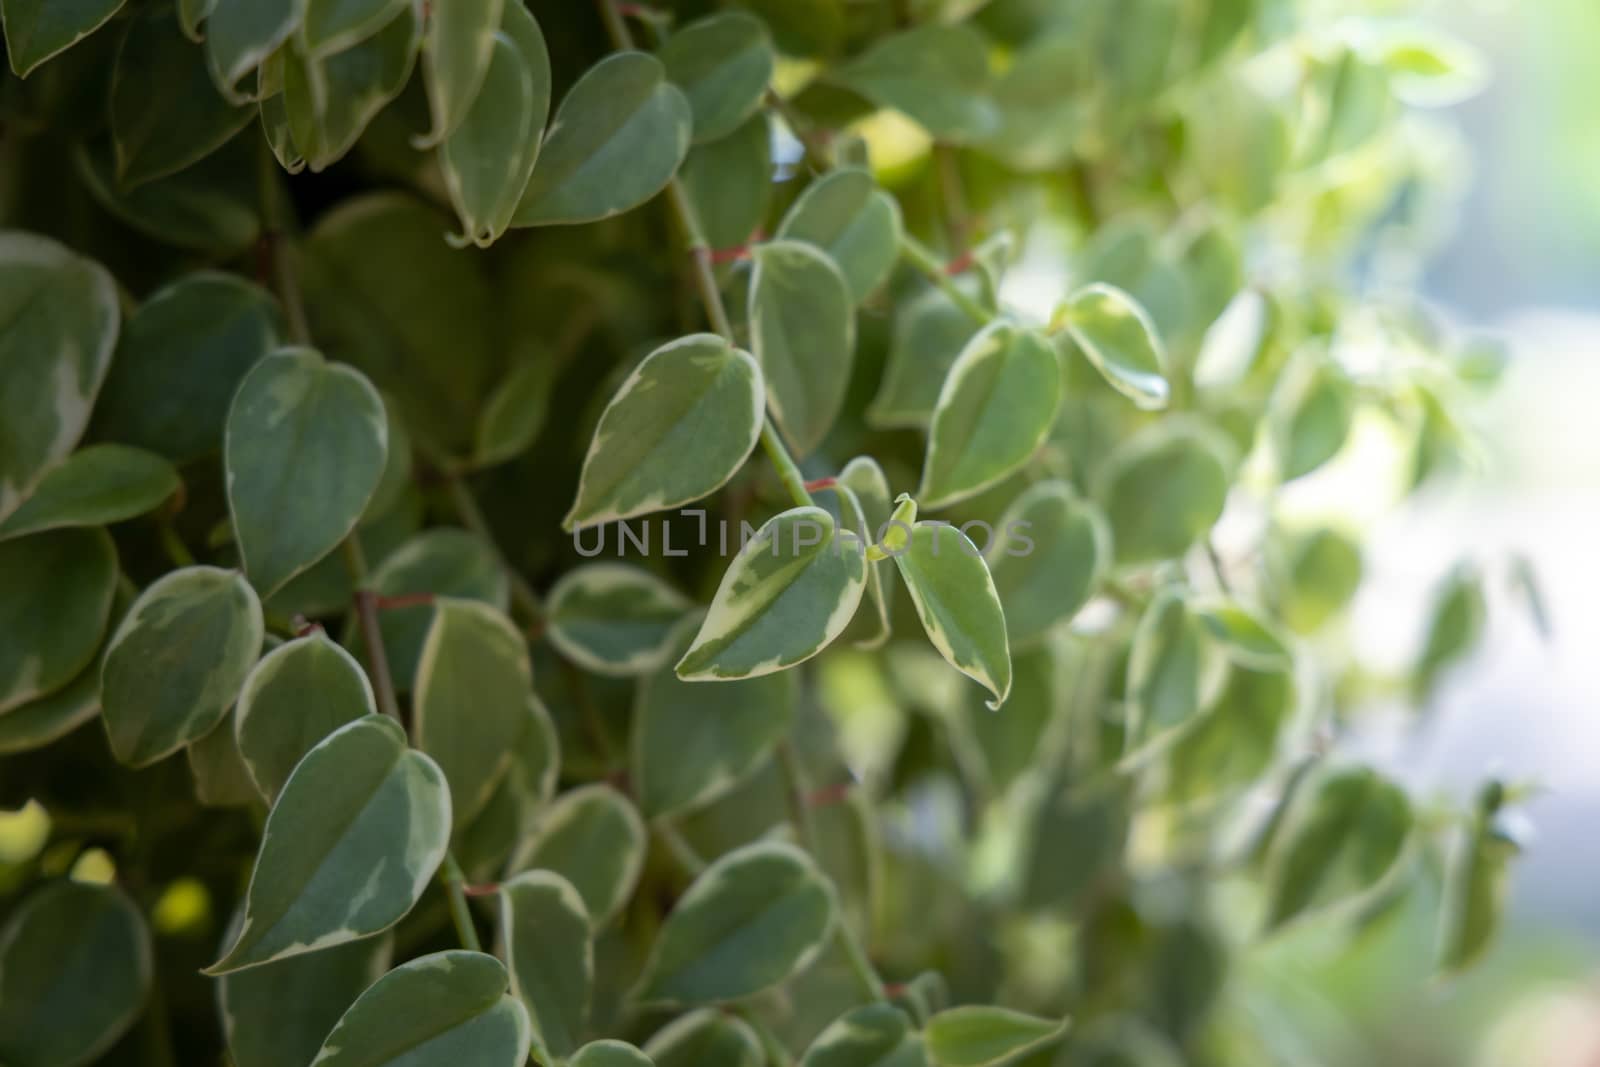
{"x":515,"y":412}
{"x":616,"y":141}
{"x":447,"y":1008}
{"x":1115,"y":334}
{"x":729,"y":181}
{"x":930,"y":333}
{"x":356,"y":834}
{"x":857,"y":224}
{"x":241,"y":34}
{"x":75,"y":972}
{"x":938,"y":75}
{"x":549,"y":952}
{"x":37,"y":30}
{"x":474,"y":685}
{"x":1477,"y":883}
{"x":1050,"y":553}
{"x":756,"y":916}
{"x":677,"y":429}
{"x":334,"y":25}
{"x":165,"y":111}
{"x":303,"y":436}
{"x":181,"y":358}
{"x":298,"y":694}
{"x":58,"y":591}
{"x":488,"y":158}
{"x":95,"y":486}
{"x":58,"y":326}
{"x":177,"y":662}
{"x":803,"y":333}
{"x":455,"y":60}
{"x":280,"y":1012}
{"x":957,"y":603}
{"x":878,"y":1035}
{"x":722,"y":63}
{"x":981,"y":1035}
{"x":1315,"y":407}
{"x":608,"y":1053}
{"x":706,"y":1038}
{"x":612,"y":618}
{"x":995,"y":410}
{"x":693,"y":743}
{"x":791,"y":590}
{"x":1341,"y":838}
{"x":595,"y":839}
{"x":329,"y":101}
{"x":1164,"y":488}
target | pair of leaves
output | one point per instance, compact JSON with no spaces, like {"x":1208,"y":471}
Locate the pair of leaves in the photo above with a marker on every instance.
{"x":298,"y":694}
{"x":880,"y":1035}
{"x":281,"y":1012}
{"x":594,"y":838}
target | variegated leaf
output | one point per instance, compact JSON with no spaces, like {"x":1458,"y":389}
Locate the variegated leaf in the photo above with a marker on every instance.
{"x":595,"y":839}
{"x":863,"y":477}
{"x":956,"y":600}
{"x":329,"y":101}
{"x":177,"y":662}
{"x":59,"y":587}
{"x":791,"y":590}
{"x":37,"y":30}
{"x":678,"y":428}
{"x":447,"y":1008}
{"x":930,"y":333}
{"x":995,"y":410}
{"x":1165,"y":487}
{"x":298,"y":694}
{"x":241,"y":34}
{"x":878,"y":1035}
{"x":548,"y":948}
{"x":846,"y":215}
{"x":984,"y":1036}
{"x":612,"y":618}
{"x":722,"y":63}
{"x":455,"y":60}
{"x":333,"y":25}
{"x":1116,"y":335}
{"x":95,"y":486}
{"x":354,"y":838}
{"x":803,"y":333}
{"x":609,"y":1053}
{"x":1049,"y":554}
{"x":706,"y":1038}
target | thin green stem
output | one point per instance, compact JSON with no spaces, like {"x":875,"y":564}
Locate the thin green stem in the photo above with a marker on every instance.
{"x":816,"y":154}
{"x":460,"y":913}
{"x":176,"y":550}
{"x":683,"y":853}
{"x":616,"y":25}
{"x":923,"y":260}
{"x":366,"y":607}
{"x":860,"y":965}
{"x":466,"y":505}
{"x":788,"y":471}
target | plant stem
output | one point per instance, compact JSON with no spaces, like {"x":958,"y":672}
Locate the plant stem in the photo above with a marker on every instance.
{"x":371,"y":633}
{"x":947,"y":174}
{"x":923,"y":260}
{"x":795,"y":792}
{"x":860,"y":965}
{"x":788,"y":472}
{"x":176,"y":550}
{"x":450,"y":874}
{"x":471,"y":516}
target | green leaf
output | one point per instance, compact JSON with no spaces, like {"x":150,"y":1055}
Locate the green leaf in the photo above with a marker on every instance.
{"x":677,"y":429}
{"x":1314,"y":412}
{"x":1456,"y":622}
{"x":1045,"y":100}
{"x":191,"y":13}
{"x":608,"y":1053}
{"x":617,"y":139}
{"x":209,"y":208}
{"x":857,"y":224}
{"x":165,"y":111}
{"x":489,"y":157}
{"x":180,"y":361}
{"x":515,"y":412}
{"x":328,"y":102}
{"x":706,"y":1038}
{"x":594,"y":838}
{"x":95,"y":486}
{"x":305,"y":438}
{"x":878,"y":1035}
{"x":1047,"y":558}
{"x":958,"y":605}
{"x":45,"y":719}
{"x":75,"y":971}
{"x":866,"y":481}
{"x":1116,"y":335}
{"x":1342,"y":837}
{"x":280,"y":1012}
{"x":434,"y":1011}
{"x":930,"y":333}
{"x":938,"y":75}
{"x":1019,"y":736}
{"x":354,"y":838}
{"x":1320,"y":573}
{"x":612,"y":618}
{"x":1164,"y":488}
{"x":334,"y":25}
{"x":485,"y":845}
{"x":1245,"y":638}
{"x":58,"y":325}
{"x":995,"y":410}
{"x":455,"y":60}
{"x":221,"y":779}
{"x":1235,"y":741}
{"x":1477,"y":883}
{"x":722,"y":63}
{"x":37,"y":30}
{"x":694,"y":743}
{"x":241,"y":34}
{"x":474,"y":685}
{"x":1233,"y":343}
{"x":791,"y":590}
{"x":423,"y":337}
{"x":1164,"y":670}
{"x":177,"y":662}
{"x":730,"y":184}
{"x":978,"y":1036}
{"x":756,"y":916}
{"x":803,"y":333}
{"x":298,"y":694}
{"x":58,"y":591}
{"x":546,"y":935}
{"x":441,"y":562}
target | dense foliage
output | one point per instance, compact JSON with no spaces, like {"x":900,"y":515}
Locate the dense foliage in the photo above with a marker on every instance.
{"x":477,"y":573}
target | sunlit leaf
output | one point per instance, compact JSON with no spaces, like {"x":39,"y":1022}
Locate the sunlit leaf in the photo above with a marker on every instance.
{"x":958,"y":605}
